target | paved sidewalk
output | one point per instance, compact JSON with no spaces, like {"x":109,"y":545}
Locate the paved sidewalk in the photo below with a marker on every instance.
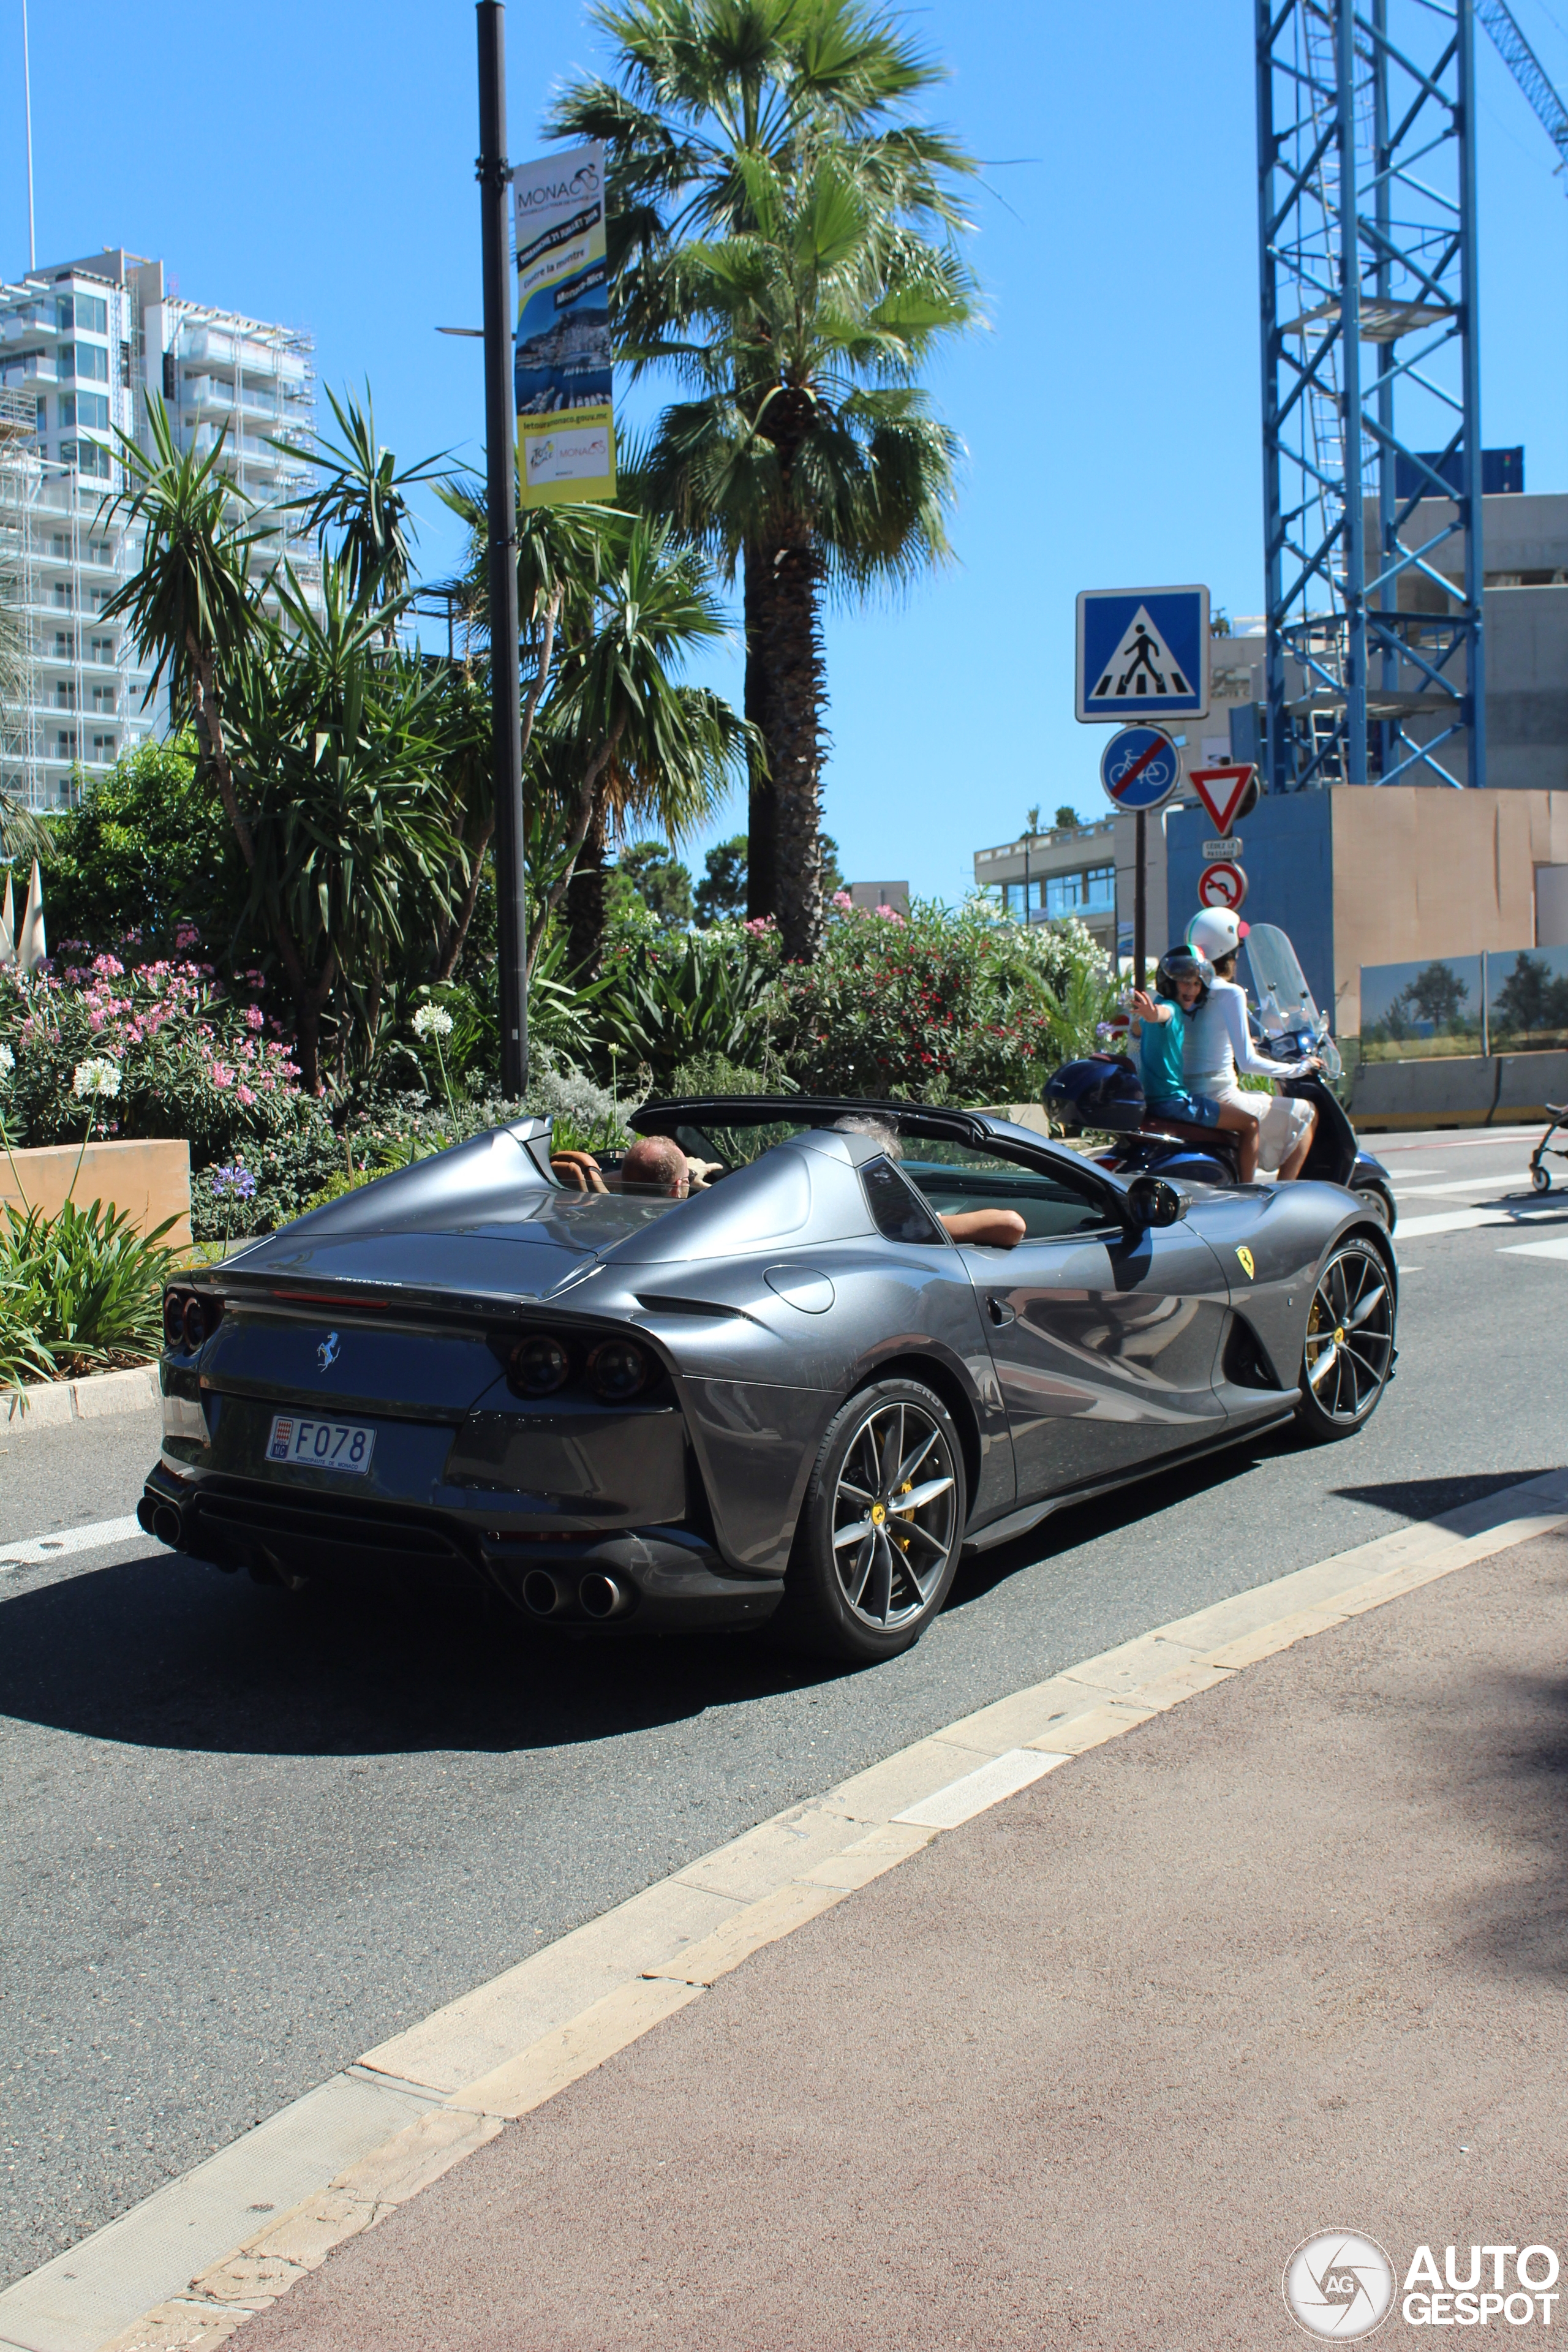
{"x":1291,"y":1957}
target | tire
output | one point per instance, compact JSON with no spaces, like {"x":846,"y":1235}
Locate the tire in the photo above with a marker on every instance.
{"x":1540,"y":1178}
{"x":869,"y":1572}
{"x":1348,"y":1351}
{"x":1376,"y":1205}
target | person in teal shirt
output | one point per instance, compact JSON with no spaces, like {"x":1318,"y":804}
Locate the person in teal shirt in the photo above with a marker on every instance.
{"x":1181,"y":980}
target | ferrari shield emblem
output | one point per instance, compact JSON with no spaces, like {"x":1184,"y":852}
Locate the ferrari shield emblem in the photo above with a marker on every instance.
{"x":1247,"y":1265}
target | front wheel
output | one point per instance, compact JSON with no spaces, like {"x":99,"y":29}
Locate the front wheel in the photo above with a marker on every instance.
{"x":881,"y":1528}
{"x":1348,"y":1354}
{"x":1540,"y":1178}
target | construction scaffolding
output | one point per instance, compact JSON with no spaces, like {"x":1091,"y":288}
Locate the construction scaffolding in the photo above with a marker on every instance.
{"x":1375,"y":665}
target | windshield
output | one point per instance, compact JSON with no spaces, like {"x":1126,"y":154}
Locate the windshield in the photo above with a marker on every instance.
{"x":1284,"y":1000}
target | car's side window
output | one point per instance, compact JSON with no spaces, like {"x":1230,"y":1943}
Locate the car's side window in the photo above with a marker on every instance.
{"x":900,"y":1213}
{"x":954,"y":1178}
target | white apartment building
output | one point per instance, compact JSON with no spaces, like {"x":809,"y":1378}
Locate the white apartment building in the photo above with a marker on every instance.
{"x":82,"y":344}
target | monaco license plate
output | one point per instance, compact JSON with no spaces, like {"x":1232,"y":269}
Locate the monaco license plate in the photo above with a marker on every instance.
{"x":322,"y":1444}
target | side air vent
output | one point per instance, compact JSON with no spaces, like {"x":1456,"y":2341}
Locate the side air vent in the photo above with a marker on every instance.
{"x":1243,"y":1363}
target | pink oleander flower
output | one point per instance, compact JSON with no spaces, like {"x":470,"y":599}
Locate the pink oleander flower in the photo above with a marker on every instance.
{"x":254,"y":1016}
{"x":842,"y":898}
{"x":221,"y":1075}
{"x":244,"y":1095}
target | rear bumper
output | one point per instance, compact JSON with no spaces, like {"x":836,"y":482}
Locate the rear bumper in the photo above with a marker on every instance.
{"x":623,"y":1581}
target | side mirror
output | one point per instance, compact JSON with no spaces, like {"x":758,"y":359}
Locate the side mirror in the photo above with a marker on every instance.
{"x":1151,"y":1200}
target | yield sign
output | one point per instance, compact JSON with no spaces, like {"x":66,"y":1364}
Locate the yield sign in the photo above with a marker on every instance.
{"x":1223,"y":792}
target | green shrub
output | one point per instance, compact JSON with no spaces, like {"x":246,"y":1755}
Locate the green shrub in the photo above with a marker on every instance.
{"x":192,"y":1060}
{"x":147,"y":851}
{"x":939,"y":1006}
{"x":82,"y":1290}
{"x":714,"y":1074}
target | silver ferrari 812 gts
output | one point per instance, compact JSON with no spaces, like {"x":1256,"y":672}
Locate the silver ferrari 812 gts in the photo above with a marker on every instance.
{"x":797,"y":1393}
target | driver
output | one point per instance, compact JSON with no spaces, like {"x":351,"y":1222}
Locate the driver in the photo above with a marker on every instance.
{"x":656,"y":1165}
{"x":1219,"y":1047}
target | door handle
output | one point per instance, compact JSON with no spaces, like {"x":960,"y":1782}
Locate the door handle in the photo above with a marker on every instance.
{"x":1001,"y":1310}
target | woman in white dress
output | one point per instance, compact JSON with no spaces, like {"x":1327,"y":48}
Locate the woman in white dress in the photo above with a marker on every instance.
{"x":1219,"y":1049}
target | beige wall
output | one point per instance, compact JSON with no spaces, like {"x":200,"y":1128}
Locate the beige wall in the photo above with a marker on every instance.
{"x":149,"y":1181}
{"x":1421,"y":872}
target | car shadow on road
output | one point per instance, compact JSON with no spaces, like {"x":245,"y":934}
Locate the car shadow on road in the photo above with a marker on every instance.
{"x":1428,"y":1499}
{"x":162,"y":1652}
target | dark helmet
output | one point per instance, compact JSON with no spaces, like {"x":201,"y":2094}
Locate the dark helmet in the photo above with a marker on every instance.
{"x":1183,"y":964}
{"x":1104,"y":1091}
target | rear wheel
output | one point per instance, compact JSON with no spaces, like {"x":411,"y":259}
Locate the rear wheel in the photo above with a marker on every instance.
{"x":1348,"y":1350}
{"x":881,"y":1528}
{"x":1540,"y":1178}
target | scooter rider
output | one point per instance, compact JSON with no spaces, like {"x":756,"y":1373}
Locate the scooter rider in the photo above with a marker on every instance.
{"x":1219,"y":1047}
{"x":1182,"y":980}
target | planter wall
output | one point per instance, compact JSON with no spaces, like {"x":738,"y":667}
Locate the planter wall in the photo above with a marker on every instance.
{"x":150,"y":1180}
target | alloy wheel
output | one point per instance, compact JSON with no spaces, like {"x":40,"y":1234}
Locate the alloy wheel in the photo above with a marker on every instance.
{"x":893,"y":1515}
{"x":1350,"y":1335}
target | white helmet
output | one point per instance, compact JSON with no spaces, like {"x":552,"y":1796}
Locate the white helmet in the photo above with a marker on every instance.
{"x":1215,"y":932}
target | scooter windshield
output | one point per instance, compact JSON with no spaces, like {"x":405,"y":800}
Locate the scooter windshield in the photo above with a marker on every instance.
{"x":1284,"y":1000}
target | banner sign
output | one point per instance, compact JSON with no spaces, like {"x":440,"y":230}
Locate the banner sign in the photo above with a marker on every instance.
{"x":564,"y":356}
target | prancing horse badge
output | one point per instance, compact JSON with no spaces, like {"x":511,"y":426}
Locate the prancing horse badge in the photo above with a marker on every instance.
{"x":1247,"y":1265}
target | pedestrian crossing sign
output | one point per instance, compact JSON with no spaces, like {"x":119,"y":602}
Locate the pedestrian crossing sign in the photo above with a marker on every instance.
{"x":1142,"y":653}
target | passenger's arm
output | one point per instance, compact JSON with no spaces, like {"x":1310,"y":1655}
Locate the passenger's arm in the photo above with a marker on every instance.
{"x":998,"y":1228}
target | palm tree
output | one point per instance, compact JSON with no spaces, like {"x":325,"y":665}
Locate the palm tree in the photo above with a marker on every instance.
{"x":598,"y":586}
{"x":811,"y":462}
{"x":336,"y":746}
{"x":363,"y":495}
{"x":623,"y":739}
{"x":809,"y":453}
{"x":191,"y":605}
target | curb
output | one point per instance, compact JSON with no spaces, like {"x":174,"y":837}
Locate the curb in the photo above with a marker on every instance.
{"x":51,"y":1404}
{"x":509,"y":2046}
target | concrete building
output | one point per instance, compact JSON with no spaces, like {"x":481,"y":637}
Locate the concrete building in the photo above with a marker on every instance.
{"x":1399,"y":874}
{"x":1070,"y":870}
{"x":82,"y":344}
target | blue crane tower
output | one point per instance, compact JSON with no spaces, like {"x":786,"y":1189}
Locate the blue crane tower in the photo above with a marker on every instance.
{"x":1526,"y":71}
{"x":1374,"y":661}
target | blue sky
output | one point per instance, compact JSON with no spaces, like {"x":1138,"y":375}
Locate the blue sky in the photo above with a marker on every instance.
{"x":314,"y":166}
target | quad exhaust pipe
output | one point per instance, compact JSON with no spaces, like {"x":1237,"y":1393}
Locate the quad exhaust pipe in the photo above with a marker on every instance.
{"x":602,"y":1596}
{"x":598,"y":1596}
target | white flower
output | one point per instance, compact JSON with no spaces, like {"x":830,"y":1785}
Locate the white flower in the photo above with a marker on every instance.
{"x":97,"y":1076}
{"x":432,"y":1021}
{"x":7,"y":1059}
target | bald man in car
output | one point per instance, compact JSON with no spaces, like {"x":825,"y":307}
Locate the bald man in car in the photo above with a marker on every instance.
{"x":655,"y":1167}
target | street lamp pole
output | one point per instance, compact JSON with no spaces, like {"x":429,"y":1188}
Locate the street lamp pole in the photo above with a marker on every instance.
{"x":494,"y":175}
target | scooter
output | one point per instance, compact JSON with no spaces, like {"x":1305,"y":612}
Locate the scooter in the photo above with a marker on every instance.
{"x":1292,"y":1031}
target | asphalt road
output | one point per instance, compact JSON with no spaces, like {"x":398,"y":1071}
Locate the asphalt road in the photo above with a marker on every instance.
{"x":246,"y":1836}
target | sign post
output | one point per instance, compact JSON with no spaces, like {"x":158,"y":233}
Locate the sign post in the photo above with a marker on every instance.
{"x":1143,"y":656}
{"x":1140,"y":769}
{"x":494,"y":173}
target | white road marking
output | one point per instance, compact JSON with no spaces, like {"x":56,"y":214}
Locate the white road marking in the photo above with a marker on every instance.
{"x":39,"y":1548}
{"x":1465,"y":1221}
{"x":1558,"y":1248}
{"x":1520,"y":1179}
